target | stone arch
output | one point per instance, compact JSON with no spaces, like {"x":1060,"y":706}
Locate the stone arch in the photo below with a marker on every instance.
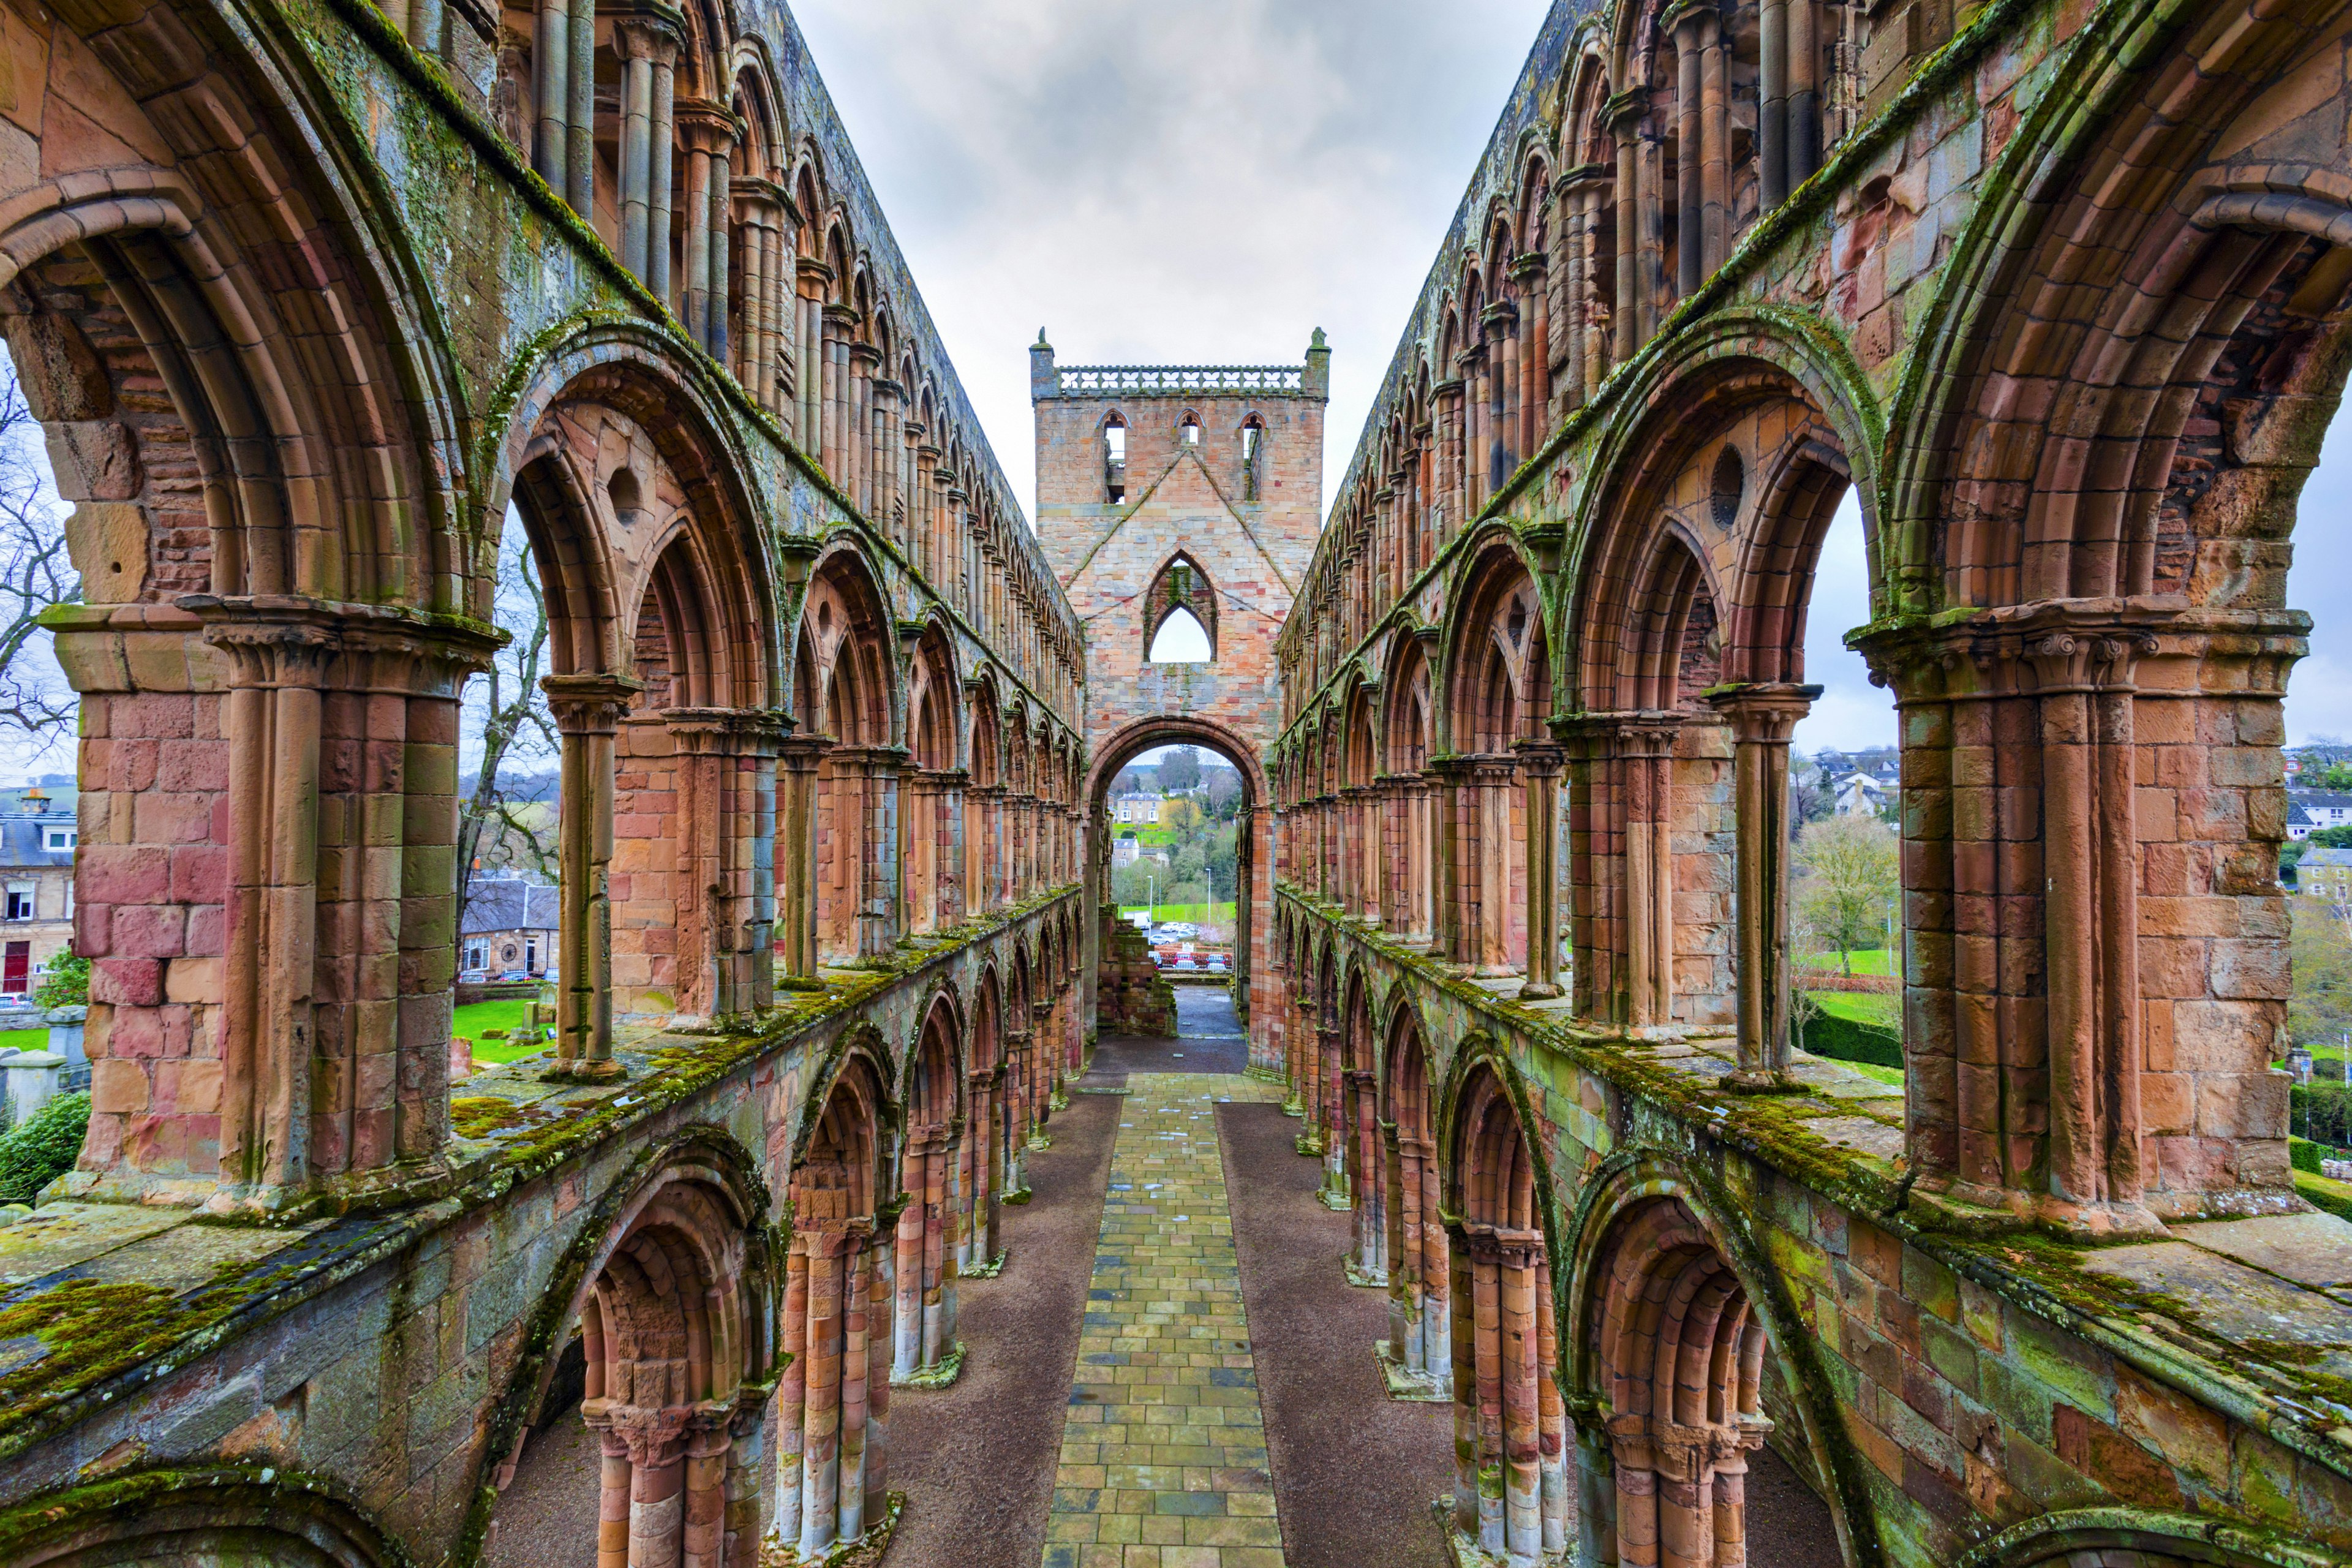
{"x":1180,"y":586}
{"x":1654,"y":1270}
{"x":697,"y":1204}
{"x":923,"y":1343}
{"x":250,"y":402}
{"x":1359,"y":1153}
{"x":848,"y":695}
{"x":190,"y":1518}
{"x":2145,"y":1538}
{"x":2057,"y":452}
{"x":1255,"y":990}
{"x":832,"y":1479}
{"x":1510,"y":1426}
{"x":1498,"y":676}
{"x":1407,"y":741}
{"x":986,"y":1150}
{"x":2083,"y":504}
{"x":1420,"y":1350}
{"x":933,"y":807}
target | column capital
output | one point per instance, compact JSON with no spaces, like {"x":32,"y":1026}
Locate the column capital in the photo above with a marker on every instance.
{"x":2149,"y":645}
{"x":1765,"y":711}
{"x":707,"y":127}
{"x":652,"y":32}
{"x":1540,"y":759}
{"x":589,"y":704}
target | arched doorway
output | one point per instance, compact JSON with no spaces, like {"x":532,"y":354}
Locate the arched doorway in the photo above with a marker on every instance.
{"x":1252,"y":885}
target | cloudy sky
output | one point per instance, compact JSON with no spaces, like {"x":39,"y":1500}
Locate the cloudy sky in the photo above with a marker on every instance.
{"x":1207,"y":183}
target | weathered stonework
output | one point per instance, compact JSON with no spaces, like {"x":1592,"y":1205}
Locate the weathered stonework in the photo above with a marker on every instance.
{"x":307,"y":297}
{"x":1166,"y":490}
{"x":2054,"y":290}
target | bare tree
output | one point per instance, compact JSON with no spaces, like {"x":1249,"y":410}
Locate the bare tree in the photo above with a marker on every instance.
{"x":34,"y":574}
{"x":500,"y":823}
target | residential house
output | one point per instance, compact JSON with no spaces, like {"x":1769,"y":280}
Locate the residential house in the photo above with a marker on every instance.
{"x":38,"y":830}
{"x":510,"y":924}
{"x":2325,"y":873}
{"x":2322,"y":807}
{"x":1136,"y":810}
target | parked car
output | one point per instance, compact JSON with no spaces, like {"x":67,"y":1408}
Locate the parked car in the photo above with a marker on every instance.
{"x":1185,"y":963}
{"x":472,"y":976}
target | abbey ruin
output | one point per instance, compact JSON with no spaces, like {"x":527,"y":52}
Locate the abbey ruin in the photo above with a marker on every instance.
{"x":315,"y":299}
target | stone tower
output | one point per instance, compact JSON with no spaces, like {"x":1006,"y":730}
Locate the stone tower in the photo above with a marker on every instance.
{"x":1181,"y":490}
{"x":1163,"y":488}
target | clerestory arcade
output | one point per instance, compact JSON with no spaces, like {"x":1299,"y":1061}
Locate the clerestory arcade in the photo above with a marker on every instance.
{"x":317,"y":305}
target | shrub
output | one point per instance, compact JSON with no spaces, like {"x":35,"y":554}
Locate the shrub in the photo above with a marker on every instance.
{"x":43,"y":1149}
{"x":67,"y":984}
{"x":2302,"y":1154}
{"x":2322,"y":1113}
{"x":1845,"y":1040}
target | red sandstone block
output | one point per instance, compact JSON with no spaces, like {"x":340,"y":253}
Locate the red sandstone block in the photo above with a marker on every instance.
{"x":2124,"y":1468}
{"x":123,"y":874}
{"x":192,"y":766}
{"x":154,"y":715}
{"x":199,"y":873}
{"x":207,"y":925}
{"x":117,"y":1087}
{"x":149,"y":930}
{"x":93,"y":930}
{"x":127,"y":982}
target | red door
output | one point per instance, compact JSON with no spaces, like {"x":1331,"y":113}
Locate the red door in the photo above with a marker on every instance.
{"x":17,"y":969}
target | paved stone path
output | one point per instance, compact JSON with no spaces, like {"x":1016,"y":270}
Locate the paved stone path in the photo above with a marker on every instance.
{"x":1163,"y":1460}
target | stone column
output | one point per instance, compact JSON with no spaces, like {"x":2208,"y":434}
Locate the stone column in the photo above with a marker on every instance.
{"x":580,"y":116}
{"x":551,"y":58}
{"x":696,"y":135}
{"x":1772,"y":182}
{"x":587,"y":710}
{"x":1715,"y":144}
{"x":1804,"y":91}
{"x":1762,"y":719}
{"x":1539,"y":769}
{"x":810,"y":278}
{"x":272,"y":717}
{"x":798,"y":758}
{"x":649,"y":48}
{"x":720,"y":194}
{"x":1632,"y":311}
{"x":1529,"y":272}
{"x":1689,"y":29}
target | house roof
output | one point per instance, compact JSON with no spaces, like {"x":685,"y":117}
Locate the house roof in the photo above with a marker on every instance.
{"x":22,"y":832}
{"x":508,"y":904}
{"x":2325,"y":856}
{"x":2338,"y":799}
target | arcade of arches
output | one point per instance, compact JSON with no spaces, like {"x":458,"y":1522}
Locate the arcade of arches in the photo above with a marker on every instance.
{"x":313,"y":304}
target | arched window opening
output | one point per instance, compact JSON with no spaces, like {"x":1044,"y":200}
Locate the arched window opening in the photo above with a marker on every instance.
{"x":1188,"y":433}
{"x":1418,"y":1352}
{"x":1252,"y":457}
{"x":1180,"y":639}
{"x":1509,"y":1423}
{"x":1180,"y":615}
{"x":1114,"y":459}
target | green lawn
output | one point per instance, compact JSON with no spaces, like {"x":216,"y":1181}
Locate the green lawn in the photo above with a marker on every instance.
{"x":1861,"y":1006}
{"x":1872,"y":1069}
{"x":474,"y":1019}
{"x":1867,"y":961}
{"x":25,"y":1039}
{"x":1199,"y":914}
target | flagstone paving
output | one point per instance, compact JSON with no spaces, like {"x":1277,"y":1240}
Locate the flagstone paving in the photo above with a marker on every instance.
{"x":1163,"y":1457}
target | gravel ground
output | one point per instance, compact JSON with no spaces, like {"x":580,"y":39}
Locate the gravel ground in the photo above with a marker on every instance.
{"x":1353,"y":1470}
{"x":976,"y":1461}
{"x":548,"y":1516}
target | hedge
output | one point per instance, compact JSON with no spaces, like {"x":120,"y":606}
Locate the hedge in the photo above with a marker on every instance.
{"x":44,"y":1149}
{"x":1844,"y":1040}
{"x":2323,"y":1112}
